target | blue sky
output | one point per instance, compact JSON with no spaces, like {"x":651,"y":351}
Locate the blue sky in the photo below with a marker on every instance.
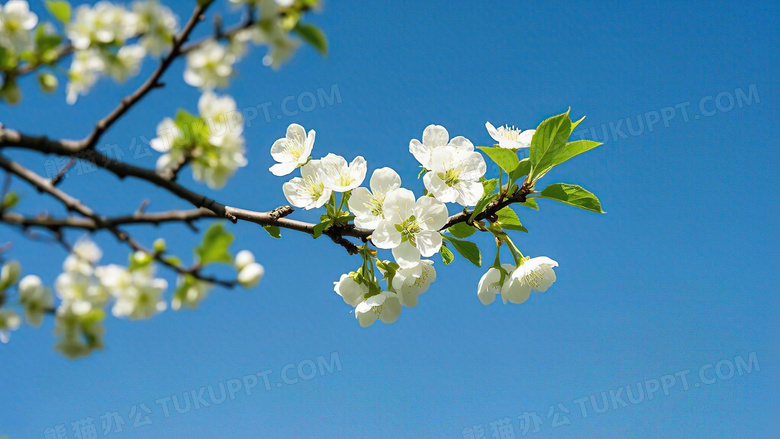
{"x":680,"y":274}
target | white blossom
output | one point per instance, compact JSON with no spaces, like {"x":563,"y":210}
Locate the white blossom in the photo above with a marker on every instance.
{"x":243,"y":258}
{"x":384,"y":306}
{"x":209,"y":66}
{"x":214,"y":142}
{"x":190,"y":291}
{"x":225,"y":126}
{"x":168,"y":135}
{"x":410,"y":282}
{"x":138,"y":294}
{"x":250,"y":275}
{"x":103,"y":23}
{"x":77,"y":287}
{"x":83,"y":257}
{"x":126,"y":62}
{"x":292,"y":151}
{"x":35,"y":298}
{"x":341,"y":177}
{"x":16,"y":22}
{"x":434,"y":137}
{"x":367,"y":205}
{"x":534,"y":274}
{"x":81,"y":292}
{"x":491,"y":283}
{"x":157,"y":24}
{"x":9,"y":274}
{"x":308,"y":191}
{"x":9,"y":321}
{"x":84,"y":72}
{"x":410,"y":228}
{"x":350,"y":290}
{"x":455,"y":174}
{"x":81,"y":331}
{"x":510,"y":137}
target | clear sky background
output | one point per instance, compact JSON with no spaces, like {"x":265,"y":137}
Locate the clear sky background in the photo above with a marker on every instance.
{"x":680,"y":274}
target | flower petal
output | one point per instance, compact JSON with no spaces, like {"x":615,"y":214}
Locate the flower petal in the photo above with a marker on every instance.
{"x":435,"y":136}
{"x":431,"y":213}
{"x":428,"y":243}
{"x":383,"y":180}
{"x":391,"y":308}
{"x":386,"y":236}
{"x":462,"y":144}
{"x":406,"y":255}
{"x":282,"y":169}
{"x":525,"y":138}
{"x":439,"y":188}
{"x":399,"y":205}
{"x":359,"y":202}
{"x":493,"y":133}
{"x":420,"y":152}
{"x":469,"y":193}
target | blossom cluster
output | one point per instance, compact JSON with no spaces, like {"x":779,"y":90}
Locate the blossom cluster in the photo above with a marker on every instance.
{"x":410,"y":227}
{"x":99,"y":34}
{"x":16,"y":25}
{"x":210,"y":65}
{"x":112,"y":39}
{"x":85,"y":288}
{"x":212,"y":143}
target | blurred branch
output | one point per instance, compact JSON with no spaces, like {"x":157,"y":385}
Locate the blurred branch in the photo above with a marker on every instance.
{"x":72,"y":204}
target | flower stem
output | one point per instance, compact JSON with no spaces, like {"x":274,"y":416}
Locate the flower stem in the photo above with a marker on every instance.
{"x":497,"y":261}
{"x":516,"y":253}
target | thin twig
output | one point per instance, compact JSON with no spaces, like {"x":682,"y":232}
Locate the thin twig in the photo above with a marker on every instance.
{"x":73,"y":204}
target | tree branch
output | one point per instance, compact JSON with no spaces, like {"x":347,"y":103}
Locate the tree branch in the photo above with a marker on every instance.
{"x":73,"y":204}
{"x":151,"y":83}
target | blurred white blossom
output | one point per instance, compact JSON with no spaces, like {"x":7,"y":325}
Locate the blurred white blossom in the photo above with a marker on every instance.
{"x":209,"y":66}
{"x":16,"y":24}
{"x":35,"y":298}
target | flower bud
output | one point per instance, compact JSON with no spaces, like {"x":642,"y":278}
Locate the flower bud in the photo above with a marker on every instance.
{"x":243,"y":258}
{"x":9,"y":274}
{"x":159,"y":245}
{"x":47,"y":82}
{"x":250,"y":275}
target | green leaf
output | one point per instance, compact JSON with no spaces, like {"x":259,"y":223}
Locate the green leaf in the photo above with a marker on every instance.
{"x":522,"y":169}
{"x":319,"y":228}
{"x":139,"y":260}
{"x":10,"y":200}
{"x":173,"y":260}
{"x":7,"y":59}
{"x":574,"y":195}
{"x":193,"y":127}
{"x":446,"y":255}
{"x":461,"y":230}
{"x":46,"y":44}
{"x":215,"y":246}
{"x":467,"y":249}
{"x":574,"y":124}
{"x":488,"y":196}
{"x":482,"y":204}
{"x":314,"y":36}
{"x":548,"y":140}
{"x":573,"y":149}
{"x":507,"y":219}
{"x":60,"y":10}
{"x":530,"y":202}
{"x":273,"y":231}
{"x":506,"y":159}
